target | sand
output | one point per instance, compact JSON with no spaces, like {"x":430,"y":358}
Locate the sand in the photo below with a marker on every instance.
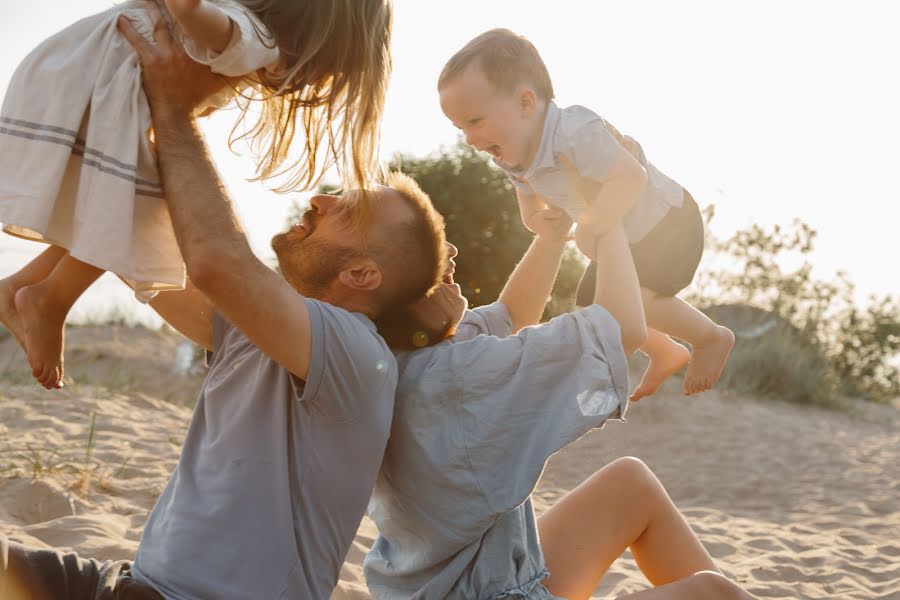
{"x":791,"y":501}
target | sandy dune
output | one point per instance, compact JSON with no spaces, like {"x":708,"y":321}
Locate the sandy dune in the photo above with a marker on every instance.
{"x":793,"y":502}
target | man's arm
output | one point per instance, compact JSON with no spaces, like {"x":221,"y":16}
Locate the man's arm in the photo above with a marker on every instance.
{"x":217,"y":255}
{"x":189,"y":311}
{"x":528,"y":288}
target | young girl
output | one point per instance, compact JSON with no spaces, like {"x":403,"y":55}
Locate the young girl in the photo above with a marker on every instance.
{"x":77,"y":170}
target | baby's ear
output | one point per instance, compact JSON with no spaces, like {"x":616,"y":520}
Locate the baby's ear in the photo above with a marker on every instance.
{"x":527,"y":101}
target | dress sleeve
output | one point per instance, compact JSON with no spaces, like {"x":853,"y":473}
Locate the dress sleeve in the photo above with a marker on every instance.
{"x":490,"y":319}
{"x":252,"y":46}
{"x":526,"y":396}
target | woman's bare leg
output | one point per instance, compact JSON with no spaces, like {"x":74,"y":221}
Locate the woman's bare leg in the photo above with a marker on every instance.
{"x":36,"y":270}
{"x":705,"y":585}
{"x":42,"y":309}
{"x":623,"y":505}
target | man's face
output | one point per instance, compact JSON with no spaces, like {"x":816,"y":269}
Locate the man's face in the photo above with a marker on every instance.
{"x":492,"y":121}
{"x":313,"y":252}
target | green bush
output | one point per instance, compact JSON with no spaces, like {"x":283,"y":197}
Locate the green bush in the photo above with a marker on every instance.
{"x":832,"y":347}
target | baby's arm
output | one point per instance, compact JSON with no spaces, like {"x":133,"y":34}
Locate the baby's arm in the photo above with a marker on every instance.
{"x":202,"y":21}
{"x":529,"y":205}
{"x":616,"y":195}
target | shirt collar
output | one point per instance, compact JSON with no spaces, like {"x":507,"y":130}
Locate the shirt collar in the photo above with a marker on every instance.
{"x":543,"y":158}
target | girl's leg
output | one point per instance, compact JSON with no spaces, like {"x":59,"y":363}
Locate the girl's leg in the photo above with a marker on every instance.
{"x":710,"y":343}
{"x":666,"y":358}
{"x":623,"y":505}
{"x":36,"y":270}
{"x":42,"y":309}
{"x":705,"y":585}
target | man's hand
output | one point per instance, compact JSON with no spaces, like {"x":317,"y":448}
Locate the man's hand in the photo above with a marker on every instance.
{"x":172,"y":80}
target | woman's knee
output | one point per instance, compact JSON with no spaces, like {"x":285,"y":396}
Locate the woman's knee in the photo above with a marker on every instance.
{"x":716,"y":586}
{"x":633,"y":473}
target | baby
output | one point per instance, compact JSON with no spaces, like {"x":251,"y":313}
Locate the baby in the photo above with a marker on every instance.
{"x":498,"y":92}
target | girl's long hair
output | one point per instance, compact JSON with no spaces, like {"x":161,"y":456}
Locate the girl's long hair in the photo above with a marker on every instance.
{"x":332,"y":78}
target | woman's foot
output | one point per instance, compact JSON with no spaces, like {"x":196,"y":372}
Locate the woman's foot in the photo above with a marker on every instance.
{"x":9,"y":316}
{"x":665,"y":361}
{"x":42,"y":332}
{"x":707,"y":361}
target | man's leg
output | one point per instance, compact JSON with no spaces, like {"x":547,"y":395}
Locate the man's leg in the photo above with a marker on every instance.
{"x":44,"y":574}
{"x":621,"y":506}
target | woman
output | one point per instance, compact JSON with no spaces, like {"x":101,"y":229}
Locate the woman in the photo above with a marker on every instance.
{"x":476,"y":417}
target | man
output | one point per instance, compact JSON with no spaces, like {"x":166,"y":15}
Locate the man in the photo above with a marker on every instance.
{"x":291,"y":424}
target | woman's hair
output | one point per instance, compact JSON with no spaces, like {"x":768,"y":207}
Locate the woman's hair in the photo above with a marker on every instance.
{"x":402,"y":331}
{"x":332,"y":77}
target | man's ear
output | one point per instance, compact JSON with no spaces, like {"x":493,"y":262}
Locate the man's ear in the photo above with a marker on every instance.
{"x":364,"y":274}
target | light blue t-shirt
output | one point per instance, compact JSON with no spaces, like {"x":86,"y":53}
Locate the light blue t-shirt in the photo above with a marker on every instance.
{"x":275,"y":472}
{"x":476,"y":418}
{"x":585,"y":139}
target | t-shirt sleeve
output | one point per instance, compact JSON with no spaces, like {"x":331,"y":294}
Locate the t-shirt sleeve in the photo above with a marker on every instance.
{"x":490,"y":319}
{"x":220,"y":327}
{"x":350,"y":365}
{"x":594,"y":150}
{"x":524,"y":397}
{"x":251,"y":46}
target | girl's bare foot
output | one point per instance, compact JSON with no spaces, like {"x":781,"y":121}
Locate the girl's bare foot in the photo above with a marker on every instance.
{"x":707,"y":360}
{"x":9,"y":316}
{"x":42,"y":331}
{"x":670,"y":360}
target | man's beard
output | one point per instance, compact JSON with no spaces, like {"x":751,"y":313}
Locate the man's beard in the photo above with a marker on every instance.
{"x":310,"y":266}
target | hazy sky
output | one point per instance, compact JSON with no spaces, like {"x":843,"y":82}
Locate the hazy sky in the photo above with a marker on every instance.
{"x":772,"y":110}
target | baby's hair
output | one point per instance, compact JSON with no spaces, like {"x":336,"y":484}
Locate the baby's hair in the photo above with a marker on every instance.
{"x":507,"y":60}
{"x":333,"y":75}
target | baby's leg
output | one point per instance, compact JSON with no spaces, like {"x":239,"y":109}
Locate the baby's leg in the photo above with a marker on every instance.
{"x":42,"y":309}
{"x":667,"y":357}
{"x":35,"y":271}
{"x":710,"y":343}
{"x":621,"y":506}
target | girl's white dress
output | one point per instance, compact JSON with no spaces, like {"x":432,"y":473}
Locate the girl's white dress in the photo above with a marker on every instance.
{"x":76,"y":166}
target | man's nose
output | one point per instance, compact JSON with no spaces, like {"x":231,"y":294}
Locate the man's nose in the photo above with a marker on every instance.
{"x":452,"y":250}
{"x":321,"y":203}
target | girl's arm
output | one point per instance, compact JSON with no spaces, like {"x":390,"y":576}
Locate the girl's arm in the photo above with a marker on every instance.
{"x":203,"y":22}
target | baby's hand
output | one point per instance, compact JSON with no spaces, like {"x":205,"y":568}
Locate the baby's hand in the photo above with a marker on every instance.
{"x":551,"y":223}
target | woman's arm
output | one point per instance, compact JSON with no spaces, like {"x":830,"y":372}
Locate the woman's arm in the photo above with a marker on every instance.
{"x":528,"y":288}
{"x":203,"y":22}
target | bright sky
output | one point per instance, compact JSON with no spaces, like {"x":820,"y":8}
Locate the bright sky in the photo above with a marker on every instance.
{"x":770,"y":109}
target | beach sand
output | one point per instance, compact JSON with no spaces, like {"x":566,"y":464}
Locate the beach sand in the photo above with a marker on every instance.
{"x":791,"y":501}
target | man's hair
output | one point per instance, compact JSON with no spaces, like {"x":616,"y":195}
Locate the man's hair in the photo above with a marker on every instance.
{"x":507,"y":60}
{"x":414,"y":250}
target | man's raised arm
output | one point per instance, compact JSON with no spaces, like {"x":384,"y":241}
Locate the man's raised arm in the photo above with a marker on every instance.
{"x":217,"y":255}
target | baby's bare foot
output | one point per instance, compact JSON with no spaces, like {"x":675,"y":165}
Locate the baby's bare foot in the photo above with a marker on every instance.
{"x":707,"y":361}
{"x":42,"y":331}
{"x":662,"y":365}
{"x":9,"y":316}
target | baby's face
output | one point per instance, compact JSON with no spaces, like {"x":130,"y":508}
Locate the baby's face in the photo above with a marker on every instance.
{"x":492,"y":120}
